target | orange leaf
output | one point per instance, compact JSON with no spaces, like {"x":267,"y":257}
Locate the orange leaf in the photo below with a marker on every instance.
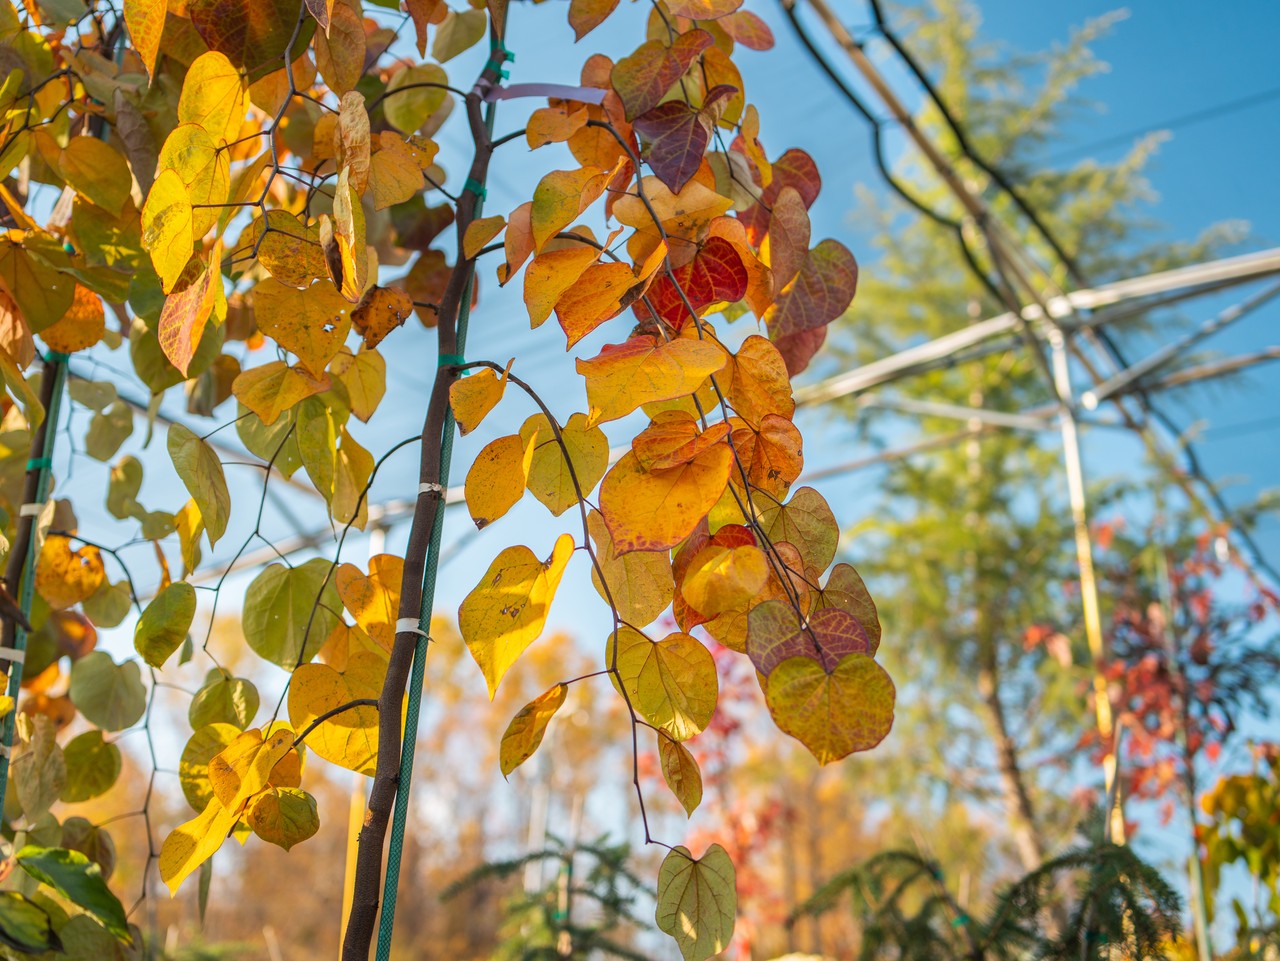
{"x":518,"y":243}
{"x":479,"y":233}
{"x":656,"y":510}
{"x":643,"y":370}
{"x":186,"y":311}
{"x":757,"y":383}
{"x":556,"y":123}
{"x":373,"y":600}
{"x":770,"y":454}
{"x":586,"y":15}
{"x":80,"y":327}
{"x":747,"y":29}
{"x":382,"y":310}
{"x":600,"y":293}
{"x":550,"y":275}
{"x":145,"y":20}
{"x":787,"y":245}
{"x":673,"y":438}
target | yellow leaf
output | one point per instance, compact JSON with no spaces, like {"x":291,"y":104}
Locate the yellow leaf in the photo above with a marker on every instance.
{"x":145,"y":20}
{"x":656,"y":510}
{"x":640,"y":584}
{"x":479,"y":233}
{"x":167,"y":227}
{"x":312,"y":323}
{"x":244,"y":767}
{"x":643,"y":370}
{"x":496,"y":481}
{"x":832,"y":714}
{"x":394,"y":174}
{"x":680,"y":771}
{"x":364,"y":375}
{"x":273,"y":388}
{"x":524,"y":733}
{"x":382,"y":310}
{"x":287,"y":247}
{"x":340,"y":50}
{"x":508,"y":608}
{"x":598,"y":295}
{"x":723,"y":579}
{"x":560,"y":196}
{"x":96,"y":170}
{"x":549,"y":477}
{"x":80,"y":327}
{"x":352,"y":469}
{"x":65,"y":577}
{"x":213,"y":96}
{"x":373,"y":600}
{"x":353,"y":140}
{"x":413,"y":95}
{"x":204,"y":169}
{"x":473,"y":397}
{"x":343,"y":241}
{"x":348,"y":739}
{"x":672,"y":683}
{"x":191,"y":844}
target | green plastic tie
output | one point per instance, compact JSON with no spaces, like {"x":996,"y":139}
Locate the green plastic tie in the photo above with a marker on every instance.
{"x":448,"y":360}
{"x":960,"y":920}
{"x":53,"y":357}
{"x":476,"y":187}
{"x":36,"y":463}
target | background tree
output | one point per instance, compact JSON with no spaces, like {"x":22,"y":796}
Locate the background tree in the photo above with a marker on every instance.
{"x":239,"y":181}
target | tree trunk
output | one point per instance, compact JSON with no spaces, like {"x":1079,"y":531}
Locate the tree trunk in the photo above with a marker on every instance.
{"x":1026,"y":834}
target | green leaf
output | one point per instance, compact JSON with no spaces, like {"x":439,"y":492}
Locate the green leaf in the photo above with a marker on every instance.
{"x":78,"y":880}
{"x":110,"y":696}
{"x":276,"y":443}
{"x":697,"y":901}
{"x":93,"y":767}
{"x":284,"y":816}
{"x":40,"y":772}
{"x":201,"y":472}
{"x":223,"y":699}
{"x":81,"y":834}
{"x":108,"y":429}
{"x":671,"y":683}
{"x":24,"y":925}
{"x":289,"y":612}
{"x":193,"y":767}
{"x":832,"y":714}
{"x":164,"y":624}
{"x":123,"y":488}
{"x":460,"y":31}
{"x":408,"y":109}
{"x":96,"y":395}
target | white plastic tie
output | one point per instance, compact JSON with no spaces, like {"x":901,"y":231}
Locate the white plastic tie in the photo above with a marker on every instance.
{"x":6,"y":751}
{"x":30,"y":510}
{"x":430,"y":488}
{"x":13,"y":655}
{"x":409,"y":625}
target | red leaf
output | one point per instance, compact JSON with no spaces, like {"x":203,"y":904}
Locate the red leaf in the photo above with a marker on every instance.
{"x":795,"y":168}
{"x":678,"y":136}
{"x":716,"y":274}
{"x":821,"y":293}
{"x":798,"y":349}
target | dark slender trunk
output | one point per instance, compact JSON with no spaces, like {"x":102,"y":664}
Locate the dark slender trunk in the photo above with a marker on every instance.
{"x":1026,"y":834}
{"x":368,"y":879}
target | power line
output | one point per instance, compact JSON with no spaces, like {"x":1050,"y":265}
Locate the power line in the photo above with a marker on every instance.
{"x":1175,"y":123}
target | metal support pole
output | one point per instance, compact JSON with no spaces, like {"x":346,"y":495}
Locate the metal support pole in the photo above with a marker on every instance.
{"x":1088,"y":581}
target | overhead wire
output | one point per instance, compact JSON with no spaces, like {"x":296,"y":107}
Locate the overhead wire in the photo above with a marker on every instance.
{"x":1194,"y":467}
